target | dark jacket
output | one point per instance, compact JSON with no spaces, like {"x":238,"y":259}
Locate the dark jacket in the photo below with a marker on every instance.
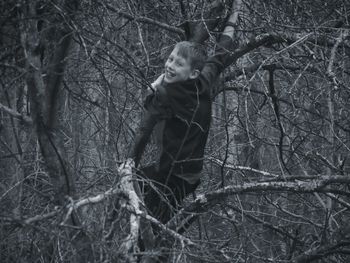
{"x":185,"y":109}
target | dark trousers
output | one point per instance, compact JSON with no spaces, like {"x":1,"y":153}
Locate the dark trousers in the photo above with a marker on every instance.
{"x":163,"y":194}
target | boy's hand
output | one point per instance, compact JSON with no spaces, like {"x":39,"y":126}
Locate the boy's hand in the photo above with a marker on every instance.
{"x":158,"y":81}
{"x":156,"y":84}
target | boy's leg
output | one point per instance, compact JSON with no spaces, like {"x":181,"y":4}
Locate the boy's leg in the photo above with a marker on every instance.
{"x":156,"y":194}
{"x":163,"y":194}
{"x":156,"y":197}
{"x":178,"y":190}
{"x":185,"y":190}
{"x":163,"y":197}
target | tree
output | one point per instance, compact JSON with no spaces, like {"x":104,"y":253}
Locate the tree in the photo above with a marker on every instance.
{"x":276,"y":184}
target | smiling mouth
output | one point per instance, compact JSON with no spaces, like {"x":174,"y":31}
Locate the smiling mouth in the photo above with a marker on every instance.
{"x":170,"y":74}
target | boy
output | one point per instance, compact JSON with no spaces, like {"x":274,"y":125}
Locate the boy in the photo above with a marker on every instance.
{"x":181,"y":105}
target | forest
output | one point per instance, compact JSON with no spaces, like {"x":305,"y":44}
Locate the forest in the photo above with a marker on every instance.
{"x":276,"y":180}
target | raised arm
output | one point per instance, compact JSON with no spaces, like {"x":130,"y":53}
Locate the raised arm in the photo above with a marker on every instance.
{"x":226,"y":44}
{"x":229,"y":29}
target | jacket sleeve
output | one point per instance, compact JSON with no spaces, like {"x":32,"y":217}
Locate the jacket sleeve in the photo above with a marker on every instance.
{"x":221,"y":59}
{"x":142,"y":137}
{"x":156,"y":110}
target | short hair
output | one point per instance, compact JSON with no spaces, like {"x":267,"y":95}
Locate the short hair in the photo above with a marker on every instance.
{"x":194,"y":52}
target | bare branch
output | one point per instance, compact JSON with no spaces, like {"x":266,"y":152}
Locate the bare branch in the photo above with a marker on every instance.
{"x":243,"y":168}
{"x":147,"y":20}
{"x":26,"y":119}
{"x":330,"y":73}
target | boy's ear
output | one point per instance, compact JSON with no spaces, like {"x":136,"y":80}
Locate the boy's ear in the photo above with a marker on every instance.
{"x":195,"y":74}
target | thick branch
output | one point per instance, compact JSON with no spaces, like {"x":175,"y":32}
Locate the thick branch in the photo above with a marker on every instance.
{"x":133,"y":202}
{"x":203,"y":202}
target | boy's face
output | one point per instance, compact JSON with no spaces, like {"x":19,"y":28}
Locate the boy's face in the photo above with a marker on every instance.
{"x":178,"y":68}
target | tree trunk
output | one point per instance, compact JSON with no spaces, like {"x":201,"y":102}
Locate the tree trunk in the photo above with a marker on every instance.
{"x":46,"y":99}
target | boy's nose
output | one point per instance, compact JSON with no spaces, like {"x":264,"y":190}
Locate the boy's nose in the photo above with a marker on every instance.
{"x":170,"y":65}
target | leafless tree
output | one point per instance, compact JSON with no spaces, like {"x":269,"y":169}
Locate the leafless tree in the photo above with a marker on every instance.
{"x":275,"y":187}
